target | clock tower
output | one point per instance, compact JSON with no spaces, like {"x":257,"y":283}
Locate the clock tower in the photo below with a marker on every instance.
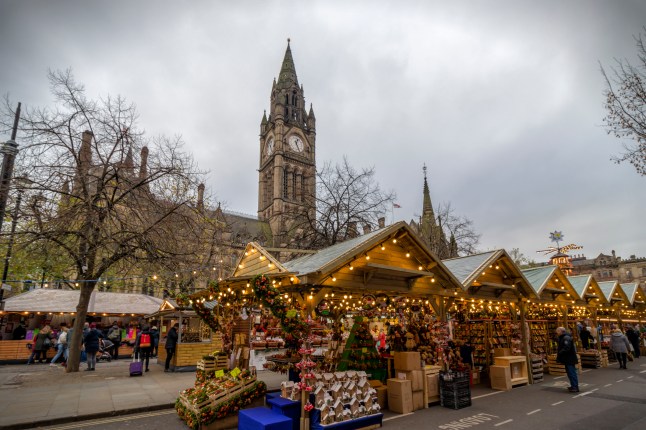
{"x":287,"y":171}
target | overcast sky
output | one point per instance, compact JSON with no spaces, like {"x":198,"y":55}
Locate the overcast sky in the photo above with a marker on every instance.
{"x":503,"y":100}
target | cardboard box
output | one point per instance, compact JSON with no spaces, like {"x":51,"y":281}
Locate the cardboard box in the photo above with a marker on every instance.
{"x":400,"y":396}
{"x":417,"y":379}
{"x":501,"y":352}
{"x":433,"y":382}
{"x":382,"y":397}
{"x":475,"y":377}
{"x":418,"y":400}
{"x":405,"y":361}
{"x":374,"y":383}
{"x":500,"y":377}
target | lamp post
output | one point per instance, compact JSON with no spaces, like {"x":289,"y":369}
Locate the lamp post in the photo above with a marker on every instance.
{"x":9,"y":151}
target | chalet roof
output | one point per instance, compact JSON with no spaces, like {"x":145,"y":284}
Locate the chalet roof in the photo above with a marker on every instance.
{"x":400,"y":258}
{"x":538,"y":277}
{"x":612,"y":290}
{"x":315,"y":262}
{"x":468,"y":269}
{"x":550,"y":279}
{"x":631,"y":291}
{"x":51,"y":300}
{"x":587,"y":287}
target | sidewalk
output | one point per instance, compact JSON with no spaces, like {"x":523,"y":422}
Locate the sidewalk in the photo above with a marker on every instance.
{"x":38,"y":394}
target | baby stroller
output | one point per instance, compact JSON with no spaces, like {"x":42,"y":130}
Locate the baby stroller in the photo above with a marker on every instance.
{"x":106,"y":348}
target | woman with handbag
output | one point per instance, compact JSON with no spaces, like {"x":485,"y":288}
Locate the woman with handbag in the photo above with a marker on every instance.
{"x":620,"y":345}
{"x":41,"y":343}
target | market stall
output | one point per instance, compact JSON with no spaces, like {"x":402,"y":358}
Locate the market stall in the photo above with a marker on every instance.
{"x":44,"y":306}
{"x":195,"y":337}
{"x":490,"y":315}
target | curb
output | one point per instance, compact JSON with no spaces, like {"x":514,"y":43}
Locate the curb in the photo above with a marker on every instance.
{"x":86,"y":417}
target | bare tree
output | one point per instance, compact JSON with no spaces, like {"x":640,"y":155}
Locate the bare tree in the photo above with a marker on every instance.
{"x":458,"y":227}
{"x":346,"y":199}
{"x":89,"y":203}
{"x":521,"y":259}
{"x":626,"y":106}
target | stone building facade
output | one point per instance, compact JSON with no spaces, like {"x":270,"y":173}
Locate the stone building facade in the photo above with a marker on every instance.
{"x":606,"y":267}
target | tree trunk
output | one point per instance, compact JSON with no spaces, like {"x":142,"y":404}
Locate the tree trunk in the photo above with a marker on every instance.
{"x":74,"y":359}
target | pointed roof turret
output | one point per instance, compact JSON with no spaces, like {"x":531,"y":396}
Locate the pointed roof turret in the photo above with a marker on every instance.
{"x":129,"y":163}
{"x":427,"y":206}
{"x":287,"y":77}
{"x":311,"y":114}
{"x":264,"y":117}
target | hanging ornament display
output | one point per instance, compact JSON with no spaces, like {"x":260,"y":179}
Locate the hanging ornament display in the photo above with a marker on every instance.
{"x":323,"y":309}
{"x":368,"y":302}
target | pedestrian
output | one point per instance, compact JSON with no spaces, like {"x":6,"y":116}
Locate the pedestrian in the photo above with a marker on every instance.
{"x":586,"y":337}
{"x":155,"y":339}
{"x":633,"y":337}
{"x":466,"y":353}
{"x":61,"y":345}
{"x":114,"y":335}
{"x":91,"y":341}
{"x":620,"y":345}
{"x":19,"y":332}
{"x":144,"y":345}
{"x":40,"y":345}
{"x":171,"y":345}
{"x":566,"y":355}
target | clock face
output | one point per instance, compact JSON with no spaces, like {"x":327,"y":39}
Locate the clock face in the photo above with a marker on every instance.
{"x":269,"y":147}
{"x":296,"y":144}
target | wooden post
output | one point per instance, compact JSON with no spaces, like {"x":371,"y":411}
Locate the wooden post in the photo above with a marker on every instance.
{"x":524,"y":338}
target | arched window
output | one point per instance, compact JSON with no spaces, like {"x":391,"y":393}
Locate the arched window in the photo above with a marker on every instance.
{"x":285,"y":184}
{"x":294,"y":186}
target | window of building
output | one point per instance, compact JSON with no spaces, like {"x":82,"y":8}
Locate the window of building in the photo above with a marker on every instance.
{"x":285,"y":184}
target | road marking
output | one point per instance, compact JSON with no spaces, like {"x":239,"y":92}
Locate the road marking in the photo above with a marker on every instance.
{"x":113,"y":420}
{"x":485,"y":395}
{"x":643,"y":371}
{"x":583,"y":371}
{"x":621,"y":380}
{"x":502,"y":422}
{"x":629,"y":377}
{"x":585,"y":394}
{"x":559,"y":377}
{"x":558,"y":403}
{"x":397,"y":416}
{"x":607,"y":385}
{"x":533,"y":412}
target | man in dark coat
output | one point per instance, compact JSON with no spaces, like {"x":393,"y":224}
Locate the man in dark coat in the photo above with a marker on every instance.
{"x":566,"y":355}
{"x":20,"y":332}
{"x":91,"y":342}
{"x":633,"y":338}
{"x":171,"y":344}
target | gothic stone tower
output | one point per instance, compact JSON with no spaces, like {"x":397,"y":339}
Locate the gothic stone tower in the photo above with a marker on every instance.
{"x":287,"y":172}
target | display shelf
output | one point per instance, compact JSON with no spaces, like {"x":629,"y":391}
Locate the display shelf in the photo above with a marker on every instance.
{"x":539,"y":338}
{"x":475,"y":331}
{"x":360,"y":352}
{"x":518,"y":368}
{"x":536,"y":363}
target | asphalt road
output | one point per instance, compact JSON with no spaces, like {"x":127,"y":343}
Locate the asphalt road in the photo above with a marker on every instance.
{"x":610,"y":399}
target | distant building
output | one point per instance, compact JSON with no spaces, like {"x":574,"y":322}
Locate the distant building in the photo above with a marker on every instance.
{"x":611,"y":267}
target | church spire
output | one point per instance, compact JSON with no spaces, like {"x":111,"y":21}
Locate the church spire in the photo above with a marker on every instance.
{"x":427,"y":207}
{"x":287,"y":77}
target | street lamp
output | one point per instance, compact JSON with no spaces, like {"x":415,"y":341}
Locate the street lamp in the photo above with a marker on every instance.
{"x":9,"y":151}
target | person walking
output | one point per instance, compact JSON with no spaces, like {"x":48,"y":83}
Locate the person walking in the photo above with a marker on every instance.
{"x":40,"y":345}
{"x":171,"y":345}
{"x":144,"y":345}
{"x":91,"y":342}
{"x":114,"y":336}
{"x":566,"y":355}
{"x":19,"y":332}
{"x":633,"y":337}
{"x":61,"y":345}
{"x":620,"y":345}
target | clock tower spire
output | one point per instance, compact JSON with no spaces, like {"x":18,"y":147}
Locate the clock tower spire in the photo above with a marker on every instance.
{"x":287,"y":169}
